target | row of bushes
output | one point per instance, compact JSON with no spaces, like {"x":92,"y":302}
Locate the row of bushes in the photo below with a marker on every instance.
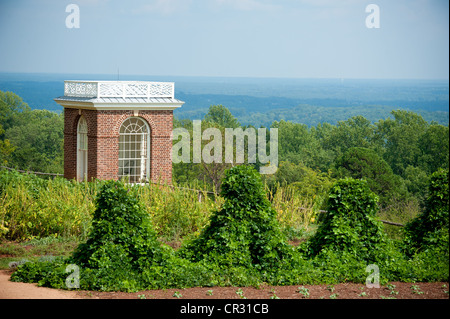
{"x":243,"y":243}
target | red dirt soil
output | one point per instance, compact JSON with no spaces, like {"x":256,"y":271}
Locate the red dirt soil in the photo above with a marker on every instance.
{"x":436,"y":290}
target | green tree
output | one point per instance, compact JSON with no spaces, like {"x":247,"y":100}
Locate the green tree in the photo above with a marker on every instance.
{"x":401,"y":139}
{"x":298,"y":144}
{"x":354,"y":132}
{"x":434,"y":148}
{"x":211,"y":172}
{"x":364,"y":163}
{"x":11,"y":106}
{"x":38,"y":139}
{"x":186,"y":173}
{"x":416,"y":181}
{"x":206,"y":172}
{"x":220,"y":115}
{"x":30,"y":139}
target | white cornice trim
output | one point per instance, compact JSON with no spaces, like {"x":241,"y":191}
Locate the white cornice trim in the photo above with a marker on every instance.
{"x":117,"y":106}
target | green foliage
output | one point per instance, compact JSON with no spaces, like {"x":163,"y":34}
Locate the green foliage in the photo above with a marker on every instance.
{"x":357,"y":131}
{"x":121,"y":228}
{"x":401,"y":136}
{"x":33,"y":207}
{"x":48,"y":273}
{"x":427,"y":229}
{"x":294,"y":212}
{"x":121,"y":252}
{"x":177,"y":212}
{"x":431,"y":262}
{"x":416,"y":181}
{"x":299,"y":144}
{"x":242,"y":246}
{"x":209,"y":173}
{"x":310,"y":184}
{"x":241,"y":241}
{"x":5,"y":148}
{"x":245,"y":231}
{"x":350,"y":223}
{"x":11,"y":106}
{"x":400,"y":212}
{"x":220,"y":115}
{"x":297,"y":193}
{"x":364,"y":163}
{"x":434,"y":147}
{"x":38,"y":141}
{"x":30,"y":139}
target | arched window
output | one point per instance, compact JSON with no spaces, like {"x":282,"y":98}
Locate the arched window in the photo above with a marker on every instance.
{"x":134,"y":150}
{"x":82,"y":149}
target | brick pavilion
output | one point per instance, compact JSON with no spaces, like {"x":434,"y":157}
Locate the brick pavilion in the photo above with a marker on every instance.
{"x":116,"y":129}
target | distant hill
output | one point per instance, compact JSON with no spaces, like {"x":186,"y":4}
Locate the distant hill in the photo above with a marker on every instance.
{"x":259,"y":111}
{"x":260,"y":101}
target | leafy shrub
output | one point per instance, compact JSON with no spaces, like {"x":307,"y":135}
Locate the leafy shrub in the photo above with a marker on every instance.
{"x":431,"y":263}
{"x":120,"y":226}
{"x":426,"y":229}
{"x":245,"y":231}
{"x":350,"y":223}
{"x":50,"y":273}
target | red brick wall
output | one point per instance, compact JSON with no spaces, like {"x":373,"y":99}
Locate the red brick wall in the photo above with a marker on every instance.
{"x":103,"y":142}
{"x":70,"y":143}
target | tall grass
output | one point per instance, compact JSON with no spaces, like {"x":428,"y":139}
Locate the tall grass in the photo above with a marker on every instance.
{"x":399,"y":212}
{"x":32,"y":208}
{"x":178,"y":212}
{"x":295,"y":212}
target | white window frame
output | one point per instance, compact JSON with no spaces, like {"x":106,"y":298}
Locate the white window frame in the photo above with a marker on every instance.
{"x":82,"y":149}
{"x":134,"y":150}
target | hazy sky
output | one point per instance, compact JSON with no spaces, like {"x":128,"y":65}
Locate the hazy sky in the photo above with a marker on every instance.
{"x":250,"y":38}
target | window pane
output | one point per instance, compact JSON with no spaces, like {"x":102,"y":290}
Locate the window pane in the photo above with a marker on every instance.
{"x":133,"y":144}
{"x":82,"y":146}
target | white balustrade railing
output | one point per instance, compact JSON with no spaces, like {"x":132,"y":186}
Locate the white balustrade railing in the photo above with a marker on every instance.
{"x":119,"y":89}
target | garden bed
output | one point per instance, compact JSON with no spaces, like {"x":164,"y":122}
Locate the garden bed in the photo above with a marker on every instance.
{"x":393,"y":290}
